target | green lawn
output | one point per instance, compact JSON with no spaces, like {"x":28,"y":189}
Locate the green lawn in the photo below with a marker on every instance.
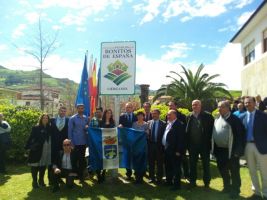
{"x":17,"y":185}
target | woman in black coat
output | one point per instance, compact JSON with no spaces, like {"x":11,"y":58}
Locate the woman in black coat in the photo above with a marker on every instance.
{"x":39,"y":146}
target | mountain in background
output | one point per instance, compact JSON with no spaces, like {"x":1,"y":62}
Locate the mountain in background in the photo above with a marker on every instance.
{"x":20,"y":80}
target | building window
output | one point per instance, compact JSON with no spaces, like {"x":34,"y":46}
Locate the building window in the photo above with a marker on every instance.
{"x":265,"y":41}
{"x":249,"y":51}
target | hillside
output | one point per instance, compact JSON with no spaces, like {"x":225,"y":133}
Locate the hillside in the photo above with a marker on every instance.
{"x":19,"y":80}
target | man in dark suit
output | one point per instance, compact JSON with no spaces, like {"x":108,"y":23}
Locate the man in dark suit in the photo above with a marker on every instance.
{"x":182,"y":118}
{"x":60,"y":128}
{"x":148,"y":114}
{"x":198,"y":139}
{"x":255,"y":123}
{"x":174,"y":148}
{"x":64,"y":166}
{"x":126,"y":120}
{"x":155,"y":149}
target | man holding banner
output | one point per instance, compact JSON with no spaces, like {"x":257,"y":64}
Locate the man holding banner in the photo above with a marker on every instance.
{"x":126,"y":120}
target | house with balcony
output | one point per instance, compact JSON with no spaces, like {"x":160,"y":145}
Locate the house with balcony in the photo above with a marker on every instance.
{"x":253,"y":39}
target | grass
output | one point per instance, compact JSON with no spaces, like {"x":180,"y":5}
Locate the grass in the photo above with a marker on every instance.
{"x":16,"y":185}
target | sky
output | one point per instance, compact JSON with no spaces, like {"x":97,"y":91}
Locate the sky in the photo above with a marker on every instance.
{"x":168,"y":33}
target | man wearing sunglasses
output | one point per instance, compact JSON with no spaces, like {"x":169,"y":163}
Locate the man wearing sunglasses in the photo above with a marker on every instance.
{"x":65,"y":166}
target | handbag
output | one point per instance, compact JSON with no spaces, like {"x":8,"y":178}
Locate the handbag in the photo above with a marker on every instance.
{"x":5,"y":140}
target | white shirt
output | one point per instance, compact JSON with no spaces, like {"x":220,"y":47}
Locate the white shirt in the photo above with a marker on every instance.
{"x":169,"y":126}
{"x":66,"y":163}
{"x":60,"y":123}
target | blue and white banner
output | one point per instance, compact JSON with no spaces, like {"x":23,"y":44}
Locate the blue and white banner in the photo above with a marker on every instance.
{"x":117,"y":147}
{"x":103,"y":148}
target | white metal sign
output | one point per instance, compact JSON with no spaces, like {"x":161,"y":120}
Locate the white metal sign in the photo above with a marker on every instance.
{"x":118,"y":64}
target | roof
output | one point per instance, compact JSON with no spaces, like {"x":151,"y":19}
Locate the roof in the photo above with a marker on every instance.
{"x":249,"y":21}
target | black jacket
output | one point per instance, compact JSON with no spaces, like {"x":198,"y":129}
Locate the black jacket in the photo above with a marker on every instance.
{"x":58,"y":161}
{"x":123,"y":120}
{"x":58,"y":136}
{"x":239,"y":136}
{"x":207,"y":122}
{"x":259,"y":130}
{"x":175,"y":140}
{"x":160,"y":133}
{"x":35,"y":142}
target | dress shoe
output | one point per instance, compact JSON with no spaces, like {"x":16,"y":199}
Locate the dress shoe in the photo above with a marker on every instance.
{"x":167,"y":183}
{"x":234,"y":195}
{"x":35,"y":185}
{"x":128,"y":178}
{"x":191,"y":186}
{"x":175,"y":187}
{"x":55,"y":189}
{"x":151,"y":181}
{"x":41,"y":183}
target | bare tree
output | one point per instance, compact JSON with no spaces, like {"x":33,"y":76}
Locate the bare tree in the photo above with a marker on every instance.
{"x":41,"y":46}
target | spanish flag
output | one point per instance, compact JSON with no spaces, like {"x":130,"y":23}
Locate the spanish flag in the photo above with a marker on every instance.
{"x":93,"y":88}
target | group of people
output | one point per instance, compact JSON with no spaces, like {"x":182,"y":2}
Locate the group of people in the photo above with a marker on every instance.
{"x":174,"y":145}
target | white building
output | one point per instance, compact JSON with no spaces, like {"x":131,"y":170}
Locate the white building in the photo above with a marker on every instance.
{"x":253,"y":39}
{"x":31,"y":97}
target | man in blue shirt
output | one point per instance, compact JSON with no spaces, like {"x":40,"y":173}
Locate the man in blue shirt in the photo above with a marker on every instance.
{"x":77,"y":133}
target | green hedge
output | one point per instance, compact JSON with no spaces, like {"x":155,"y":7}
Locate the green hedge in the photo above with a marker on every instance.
{"x":21,"y":120}
{"x":164,"y":110}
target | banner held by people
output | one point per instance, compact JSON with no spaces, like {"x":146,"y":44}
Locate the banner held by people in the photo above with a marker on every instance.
{"x":104,"y":149}
{"x":104,"y":145}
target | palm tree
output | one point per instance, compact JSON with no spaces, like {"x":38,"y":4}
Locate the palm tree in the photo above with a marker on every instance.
{"x":193,"y":86}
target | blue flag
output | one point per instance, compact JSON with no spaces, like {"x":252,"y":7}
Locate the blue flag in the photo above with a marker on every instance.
{"x":134,"y":149}
{"x":112,"y":148}
{"x":103,"y":148}
{"x":83,"y":90}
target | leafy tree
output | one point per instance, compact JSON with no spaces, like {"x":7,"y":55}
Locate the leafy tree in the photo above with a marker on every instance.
{"x":187,"y":86}
{"x":21,"y":120}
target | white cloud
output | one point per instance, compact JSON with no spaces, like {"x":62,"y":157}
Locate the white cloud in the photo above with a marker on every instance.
{"x":157,"y":70}
{"x":19,"y":31}
{"x":176,"y":50}
{"x":228,"y":65}
{"x":80,"y":10}
{"x":54,"y":65}
{"x":56,"y":27}
{"x":32,"y":17}
{"x":152,"y":10}
{"x":243,"y":3}
{"x":81,"y":29}
{"x":3,"y":47}
{"x":243,"y":18}
{"x":186,"y":9}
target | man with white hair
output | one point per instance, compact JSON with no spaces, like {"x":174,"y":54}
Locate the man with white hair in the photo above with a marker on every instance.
{"x":229,"y":143}
{"x":198,"y":134}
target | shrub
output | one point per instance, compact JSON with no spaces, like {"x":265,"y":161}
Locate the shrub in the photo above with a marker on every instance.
{"x":21,"y":120}
{"x":164,"y":110}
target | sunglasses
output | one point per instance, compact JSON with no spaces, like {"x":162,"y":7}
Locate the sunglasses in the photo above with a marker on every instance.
{"x":66,"y":145}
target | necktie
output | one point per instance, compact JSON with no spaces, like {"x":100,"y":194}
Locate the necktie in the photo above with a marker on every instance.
{"x":250,"y":128}
{"x":129,"y":118}
{"x":154,"y":139}
{"x":61,"y":124}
